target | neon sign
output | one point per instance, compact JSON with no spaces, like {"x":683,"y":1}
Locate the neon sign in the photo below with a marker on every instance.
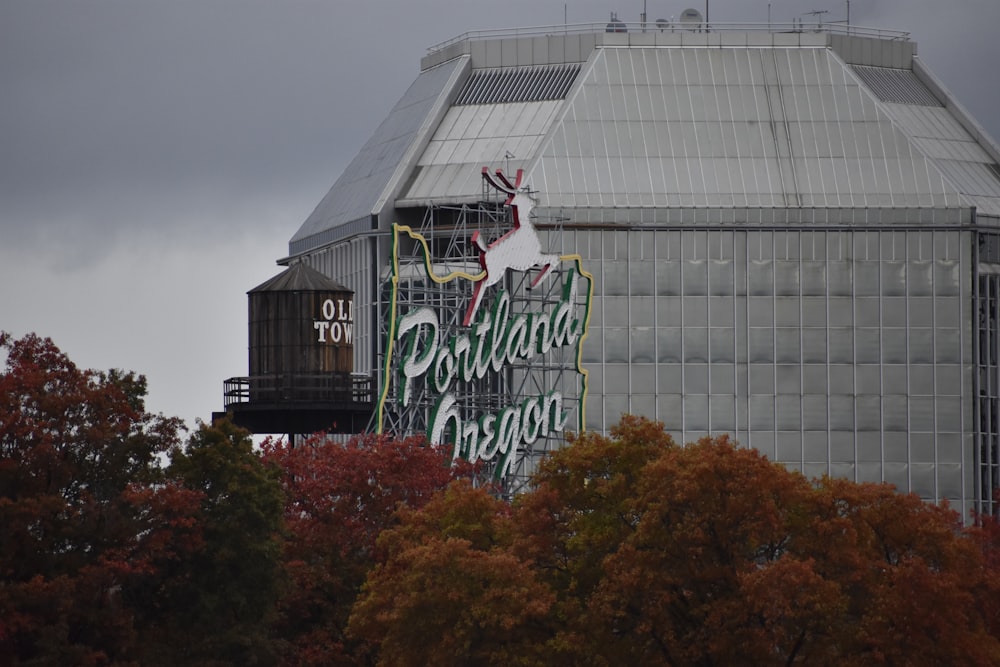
{"x":445,"y":359}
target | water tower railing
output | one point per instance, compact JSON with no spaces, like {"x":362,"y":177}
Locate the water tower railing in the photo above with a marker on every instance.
{"x":298,"y":388}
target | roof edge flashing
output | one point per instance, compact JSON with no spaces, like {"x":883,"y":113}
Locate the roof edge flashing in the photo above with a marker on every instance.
{"x":329,"y":236}
{"x":763,"y":217}
{"x":443,"y":57}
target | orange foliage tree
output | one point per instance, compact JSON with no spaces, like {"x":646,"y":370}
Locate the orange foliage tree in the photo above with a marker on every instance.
{"x":630,"y":549}
{"x":450,"y":591}
{"x":627,"y":549}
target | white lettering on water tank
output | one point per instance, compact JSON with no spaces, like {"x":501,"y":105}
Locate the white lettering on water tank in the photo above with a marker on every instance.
{"x":321,"y":327}
{"x":337,"y":325}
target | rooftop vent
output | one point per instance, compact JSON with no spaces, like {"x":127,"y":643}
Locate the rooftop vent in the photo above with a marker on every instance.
{"x":518,"y":84}
{"x":899,"y":86}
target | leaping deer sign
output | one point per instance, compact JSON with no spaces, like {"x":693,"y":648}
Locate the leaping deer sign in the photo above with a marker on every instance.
{"x":518,"y":249}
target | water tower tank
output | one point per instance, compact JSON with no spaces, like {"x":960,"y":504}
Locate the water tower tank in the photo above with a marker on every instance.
{"x":301,"y":336}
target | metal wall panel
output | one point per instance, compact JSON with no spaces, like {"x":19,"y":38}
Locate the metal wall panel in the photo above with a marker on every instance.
{"x":841,"y":359}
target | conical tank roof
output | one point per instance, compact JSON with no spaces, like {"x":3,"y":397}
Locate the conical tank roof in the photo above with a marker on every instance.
{"x":300,"y":277}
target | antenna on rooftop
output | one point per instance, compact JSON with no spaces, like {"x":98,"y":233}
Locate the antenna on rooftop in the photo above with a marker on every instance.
{"x":819,"y":14}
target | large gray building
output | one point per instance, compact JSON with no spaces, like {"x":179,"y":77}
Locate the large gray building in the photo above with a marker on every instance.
{"x":794,"y":235}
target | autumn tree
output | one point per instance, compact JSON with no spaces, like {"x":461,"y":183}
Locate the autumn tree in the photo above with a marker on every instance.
{"x":579,"y":512}
{"x":215,"y":606}
{"x":79,"y":473}
{"x":627,"y":549}
{"x":721,"y":557}
{"x":706,"y":521}
{"x":915,"y":585}
{"x":630,"y":549}
{"x":450,"y":591}
{"x":339,"y":497}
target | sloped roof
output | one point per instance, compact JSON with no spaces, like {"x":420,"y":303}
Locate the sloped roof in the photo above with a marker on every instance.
{"x":645,"y":125}
{"x":938,"y":132}
{"x":300,"y":277}
{"x":368,"y":181}
{"x":744,"y":127}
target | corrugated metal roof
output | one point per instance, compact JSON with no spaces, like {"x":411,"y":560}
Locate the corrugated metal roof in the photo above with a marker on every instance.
{"x":744,"y":127}
{"x":967,"y":166}
{"x":471,"y":136}
{"x":657,"y":127}
{"x":653,"y":127}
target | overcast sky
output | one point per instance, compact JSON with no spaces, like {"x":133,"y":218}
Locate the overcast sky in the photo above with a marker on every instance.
{"x":157,"y":155}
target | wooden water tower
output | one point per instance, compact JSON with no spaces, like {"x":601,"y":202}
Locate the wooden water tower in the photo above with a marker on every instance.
{"x":301,"y":324}
{"x":301,"y":345}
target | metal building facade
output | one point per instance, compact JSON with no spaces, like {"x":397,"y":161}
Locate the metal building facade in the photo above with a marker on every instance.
{"x":791,"y":233}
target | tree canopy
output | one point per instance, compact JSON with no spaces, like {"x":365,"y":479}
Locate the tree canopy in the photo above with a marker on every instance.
{"x":635,"y":550}
{"x":339,"y":497}
{"x":124,"y":543}
{"x":79,"y":469}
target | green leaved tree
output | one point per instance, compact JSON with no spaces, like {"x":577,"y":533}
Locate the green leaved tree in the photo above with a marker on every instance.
{"x":216,"y":605}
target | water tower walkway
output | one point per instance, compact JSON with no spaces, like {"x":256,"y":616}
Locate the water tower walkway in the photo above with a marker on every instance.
{"x":301,"y":403}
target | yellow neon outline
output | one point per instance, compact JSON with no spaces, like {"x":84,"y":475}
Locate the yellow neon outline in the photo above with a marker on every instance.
{"x":417,"y":236}
{"x":585,"y":381}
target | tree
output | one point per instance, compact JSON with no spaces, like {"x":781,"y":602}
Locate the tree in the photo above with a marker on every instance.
{"x":578,"y":513}
{"x":916,"y":584}
{"x":711,"y":521}
{"x":339,"y":498}
{"x":717,"y":556}
{"x":78,"y":472}
{"x":630,"y":549}
{"x":449,"y":591}
{"x":215,"y":605}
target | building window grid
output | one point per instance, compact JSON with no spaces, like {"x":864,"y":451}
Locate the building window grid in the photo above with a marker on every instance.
{"x":989,"y":401}
{"x":700,"y":244}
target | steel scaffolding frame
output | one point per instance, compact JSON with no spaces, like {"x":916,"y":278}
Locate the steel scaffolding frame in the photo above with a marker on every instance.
{"x":448,"y":231}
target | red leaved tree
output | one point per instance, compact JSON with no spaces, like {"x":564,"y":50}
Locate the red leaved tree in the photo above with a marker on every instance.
{"x":85,"y":515}
{"x":339,"y":498}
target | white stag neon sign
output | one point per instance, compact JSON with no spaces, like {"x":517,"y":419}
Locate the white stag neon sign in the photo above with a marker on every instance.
{"x":434,"y":364}
{"x":518,"y":249}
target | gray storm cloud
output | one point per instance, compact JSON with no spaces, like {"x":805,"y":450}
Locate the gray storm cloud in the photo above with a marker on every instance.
{"x":155,"y":157}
